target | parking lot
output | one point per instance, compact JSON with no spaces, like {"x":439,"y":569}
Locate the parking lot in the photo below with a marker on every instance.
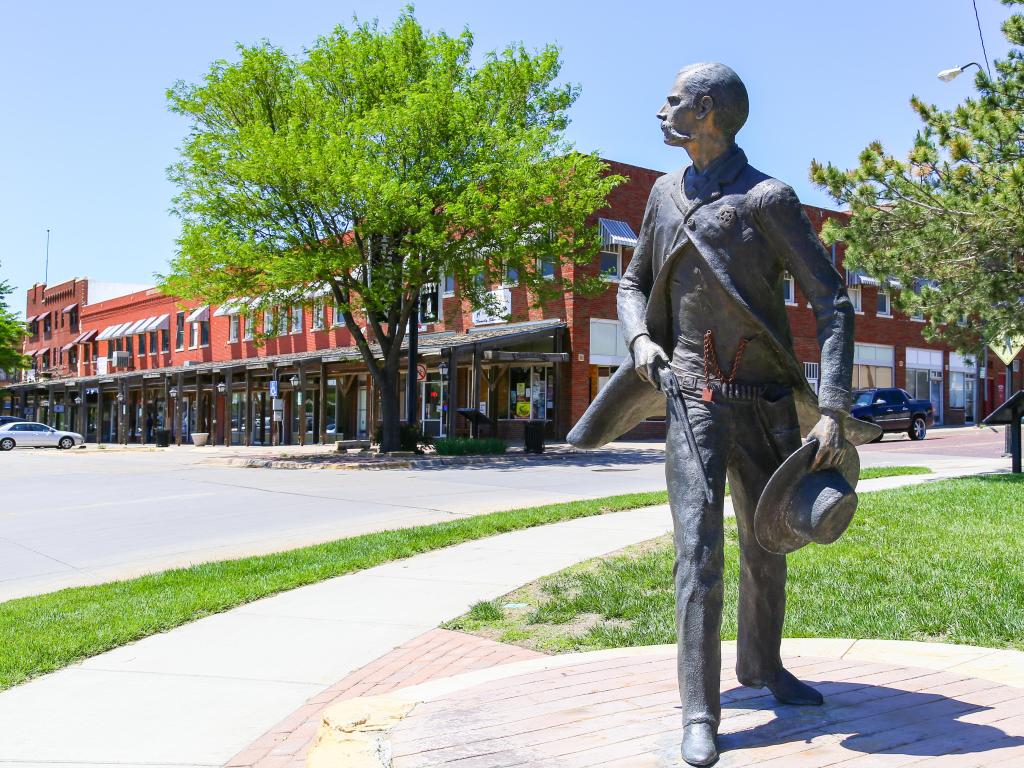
{"x":92,"y":515}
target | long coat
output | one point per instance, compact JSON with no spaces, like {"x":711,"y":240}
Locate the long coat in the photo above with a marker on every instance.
{"x":750,"y":229}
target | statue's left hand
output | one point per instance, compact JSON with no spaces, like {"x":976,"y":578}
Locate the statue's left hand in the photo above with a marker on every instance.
{"x":831,"y":438}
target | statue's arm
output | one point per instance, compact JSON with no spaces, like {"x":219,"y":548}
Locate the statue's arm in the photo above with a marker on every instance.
{"x":794,"y":239}
{"x":636,"y":282}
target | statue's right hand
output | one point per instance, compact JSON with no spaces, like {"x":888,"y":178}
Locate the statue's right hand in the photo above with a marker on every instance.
{"x":648,"y":359}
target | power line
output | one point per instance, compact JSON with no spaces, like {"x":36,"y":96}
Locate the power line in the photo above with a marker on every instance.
{"x":982,"y":38}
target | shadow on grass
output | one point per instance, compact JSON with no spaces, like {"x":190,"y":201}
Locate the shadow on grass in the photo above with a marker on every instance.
{"x":869,"y":719}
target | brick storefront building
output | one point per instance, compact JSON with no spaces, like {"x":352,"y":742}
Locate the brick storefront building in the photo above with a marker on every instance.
{"x":118,"y":362}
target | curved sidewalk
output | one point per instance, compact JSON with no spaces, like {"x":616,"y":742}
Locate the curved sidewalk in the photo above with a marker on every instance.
{"x":199,"y":694}
{"x":887,"y":704}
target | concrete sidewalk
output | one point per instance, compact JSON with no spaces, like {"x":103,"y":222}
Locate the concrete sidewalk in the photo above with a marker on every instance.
{"x":197,"y":695}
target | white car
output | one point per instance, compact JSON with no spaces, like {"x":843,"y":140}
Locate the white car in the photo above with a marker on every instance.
{"x":31,"y":434}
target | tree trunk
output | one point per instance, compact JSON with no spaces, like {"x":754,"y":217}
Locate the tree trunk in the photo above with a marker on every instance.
{"x":390,"y":409}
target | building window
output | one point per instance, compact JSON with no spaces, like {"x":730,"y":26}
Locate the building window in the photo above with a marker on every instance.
{"x":142,"y":345}
{"x":547,"y":267}
{"x":855,"y":297}
{"x":339,"y":316}
{"x":247,"y":323}
{"x":46,"y":323}
{"x":73,"y":318}
{"x":610,"y":263}
{"x":788,"y":289}
{"x":193,"y":341}
{"x":511,"y":277}
{"x":165,"y":339}
{"x":233,"y":328}
{"x":128,"y":347}
{"x":449,"y":285}
{"x":428,"y":305}
{"x":529,"y":394}
{"x":812,"y":372}
{"x":204,"y":333}
{"x":917,"y":317}
{"x":179,"y":331}
{"x":73,"y":356}
{"x":318,"y":316}
{"x":33,"y":328}
{"x":956,"y":389}
{"x":883,"y":306}
{"x":152,"y":342}
{"x":296,"y":319}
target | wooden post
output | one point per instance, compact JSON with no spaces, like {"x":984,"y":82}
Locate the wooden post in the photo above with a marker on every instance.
{"x":321,"y":427}
{"x":453,"y":389}
{"x":166,"y":423}
{"x":300,"y":402}
{"x":49,"y":407}
{"x":83,"y":411}
{"x":177,"y":408}
{"x":557,"y":383}
{"x":228,"y":405}
{"x":248,"y":408}
{"x":475,"y":388}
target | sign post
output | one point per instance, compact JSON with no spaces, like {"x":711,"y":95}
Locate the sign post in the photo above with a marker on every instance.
{"x":1006,"y":351}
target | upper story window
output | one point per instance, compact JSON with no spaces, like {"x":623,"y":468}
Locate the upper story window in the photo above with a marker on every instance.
{"x":179,"y":331}
{"x":247,"y":322}
{"x":883,"y":305}
{"x":449,"y":285}
{"x":165,"y":339}
{"x":547,"y":267}
{"x":319,"y":310}
{"x":142,"y":344}
{"x":152,"y":342}
{"x":296,"y":318}
{"x":47,"y":323}
{"x":855,"y":297}
{"x":610,"y":262}
{"x":788,"y":289}
{"x":428,"y":309}
{"x":33,"y":328}
{"x":233,"y":328}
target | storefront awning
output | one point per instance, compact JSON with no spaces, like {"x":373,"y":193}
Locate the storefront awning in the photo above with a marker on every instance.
{"x":69,"y":307}
{"x":615,"y":232}
{"x":31,"y":352}
{"x":135,"y":327}
{"x":109,"y":331}
{"x":859,"y":277}
{"x":231,"y":307}
{"x":67,"y":346}
{"x":32,"y":318}
{"x":159,"y":323}
{"x":84,"y":337}
{"x":199,"y":315}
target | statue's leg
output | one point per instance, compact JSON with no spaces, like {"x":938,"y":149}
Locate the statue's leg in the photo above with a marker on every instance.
{"x":698,"y":535}
{"x":774,"y":434}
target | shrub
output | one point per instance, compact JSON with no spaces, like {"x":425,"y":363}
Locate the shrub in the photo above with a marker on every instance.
{"x":468,"y":446}
{"x":410,"y":437}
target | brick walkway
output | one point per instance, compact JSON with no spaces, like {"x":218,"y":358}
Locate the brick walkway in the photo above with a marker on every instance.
{"x":434,"y":654}
{"x":623,"y":712}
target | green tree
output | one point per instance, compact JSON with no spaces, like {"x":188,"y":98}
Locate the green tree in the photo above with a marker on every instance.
{"x":948,"y":221}
{"x":373,"y":164}
{"x":12,"y":332}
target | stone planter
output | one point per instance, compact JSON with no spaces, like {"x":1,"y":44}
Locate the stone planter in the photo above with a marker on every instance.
{"x":199,"y":439}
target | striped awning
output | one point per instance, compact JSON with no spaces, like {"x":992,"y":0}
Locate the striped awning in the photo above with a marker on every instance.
{"x":615,"y":232}
{"x":199,"y":315}
{"x":67,"y":346}
{"x":30,"y":352}
{"x":231,"y":307}
{"x":158,"y":323}
{"x":32,"y":319}
{"x":859,"y":277}
{"x":69,"y":307}
{"x":84,"y":337}
{"x":135,"y":327}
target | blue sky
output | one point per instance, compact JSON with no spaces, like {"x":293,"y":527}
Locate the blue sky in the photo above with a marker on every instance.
{"x":86,"y":136}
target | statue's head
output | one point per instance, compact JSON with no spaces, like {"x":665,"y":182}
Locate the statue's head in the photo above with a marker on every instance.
{"x":706,"y":99}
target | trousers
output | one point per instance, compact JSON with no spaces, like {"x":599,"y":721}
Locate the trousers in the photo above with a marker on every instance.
{"x":745,"y":440}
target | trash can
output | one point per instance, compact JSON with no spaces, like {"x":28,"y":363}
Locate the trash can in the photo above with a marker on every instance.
{"x":533,"y":436}
{"x":163,"y":438}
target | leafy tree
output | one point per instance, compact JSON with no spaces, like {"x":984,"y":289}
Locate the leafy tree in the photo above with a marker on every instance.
{"x":948,"y":220}
{"x":373,"y":164}
{"x":12,"y":332}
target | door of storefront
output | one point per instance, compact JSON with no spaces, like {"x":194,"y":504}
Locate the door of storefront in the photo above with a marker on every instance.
{"x":362,"y":411}
{"x":185,"y":418}
{"x":260,"y":419}
{"x":935,"y":394}
{"x":433,"y":396}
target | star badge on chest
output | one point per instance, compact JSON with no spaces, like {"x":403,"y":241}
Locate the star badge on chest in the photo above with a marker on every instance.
{"x":726,"y":215}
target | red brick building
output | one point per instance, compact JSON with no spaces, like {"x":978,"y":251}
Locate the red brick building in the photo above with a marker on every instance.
{"x":116,"y":363}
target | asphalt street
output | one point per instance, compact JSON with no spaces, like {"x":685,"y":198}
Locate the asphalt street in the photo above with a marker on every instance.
{"x":88,"y":516}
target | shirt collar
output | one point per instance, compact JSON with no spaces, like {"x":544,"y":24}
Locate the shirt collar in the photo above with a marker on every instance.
{"x":721,"y":170}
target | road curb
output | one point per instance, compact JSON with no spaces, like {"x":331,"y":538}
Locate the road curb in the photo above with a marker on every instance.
{"x":383,"y":464}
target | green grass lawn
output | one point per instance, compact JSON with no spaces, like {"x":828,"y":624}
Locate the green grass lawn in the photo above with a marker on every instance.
{"x":938,"y":562}
{"x":47,"y":632}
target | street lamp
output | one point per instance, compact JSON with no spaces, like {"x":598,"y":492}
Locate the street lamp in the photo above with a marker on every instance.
{"x":78,"y":400}
{"x":222,"y":388}
{"x":442,"y":368}
{"x":120,"y":397}
{"x":173,"y":392}
{"x":294,"y":381}
{"x":947,"y":75}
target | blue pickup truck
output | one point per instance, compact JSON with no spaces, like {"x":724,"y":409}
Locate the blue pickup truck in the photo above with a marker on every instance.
{"x":894,"y":410}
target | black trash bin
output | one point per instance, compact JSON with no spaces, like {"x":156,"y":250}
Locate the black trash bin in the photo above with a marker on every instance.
{"x":163,"y":438}
{"x":533,"y":437}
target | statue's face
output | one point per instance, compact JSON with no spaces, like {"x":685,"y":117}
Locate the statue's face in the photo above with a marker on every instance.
{"x":684,"y":117}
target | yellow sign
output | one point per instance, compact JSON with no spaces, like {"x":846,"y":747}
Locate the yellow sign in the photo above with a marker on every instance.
{"x":1009,"y":349}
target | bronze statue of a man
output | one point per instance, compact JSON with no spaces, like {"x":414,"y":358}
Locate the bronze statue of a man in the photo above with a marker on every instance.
{"x":701,"y":307}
